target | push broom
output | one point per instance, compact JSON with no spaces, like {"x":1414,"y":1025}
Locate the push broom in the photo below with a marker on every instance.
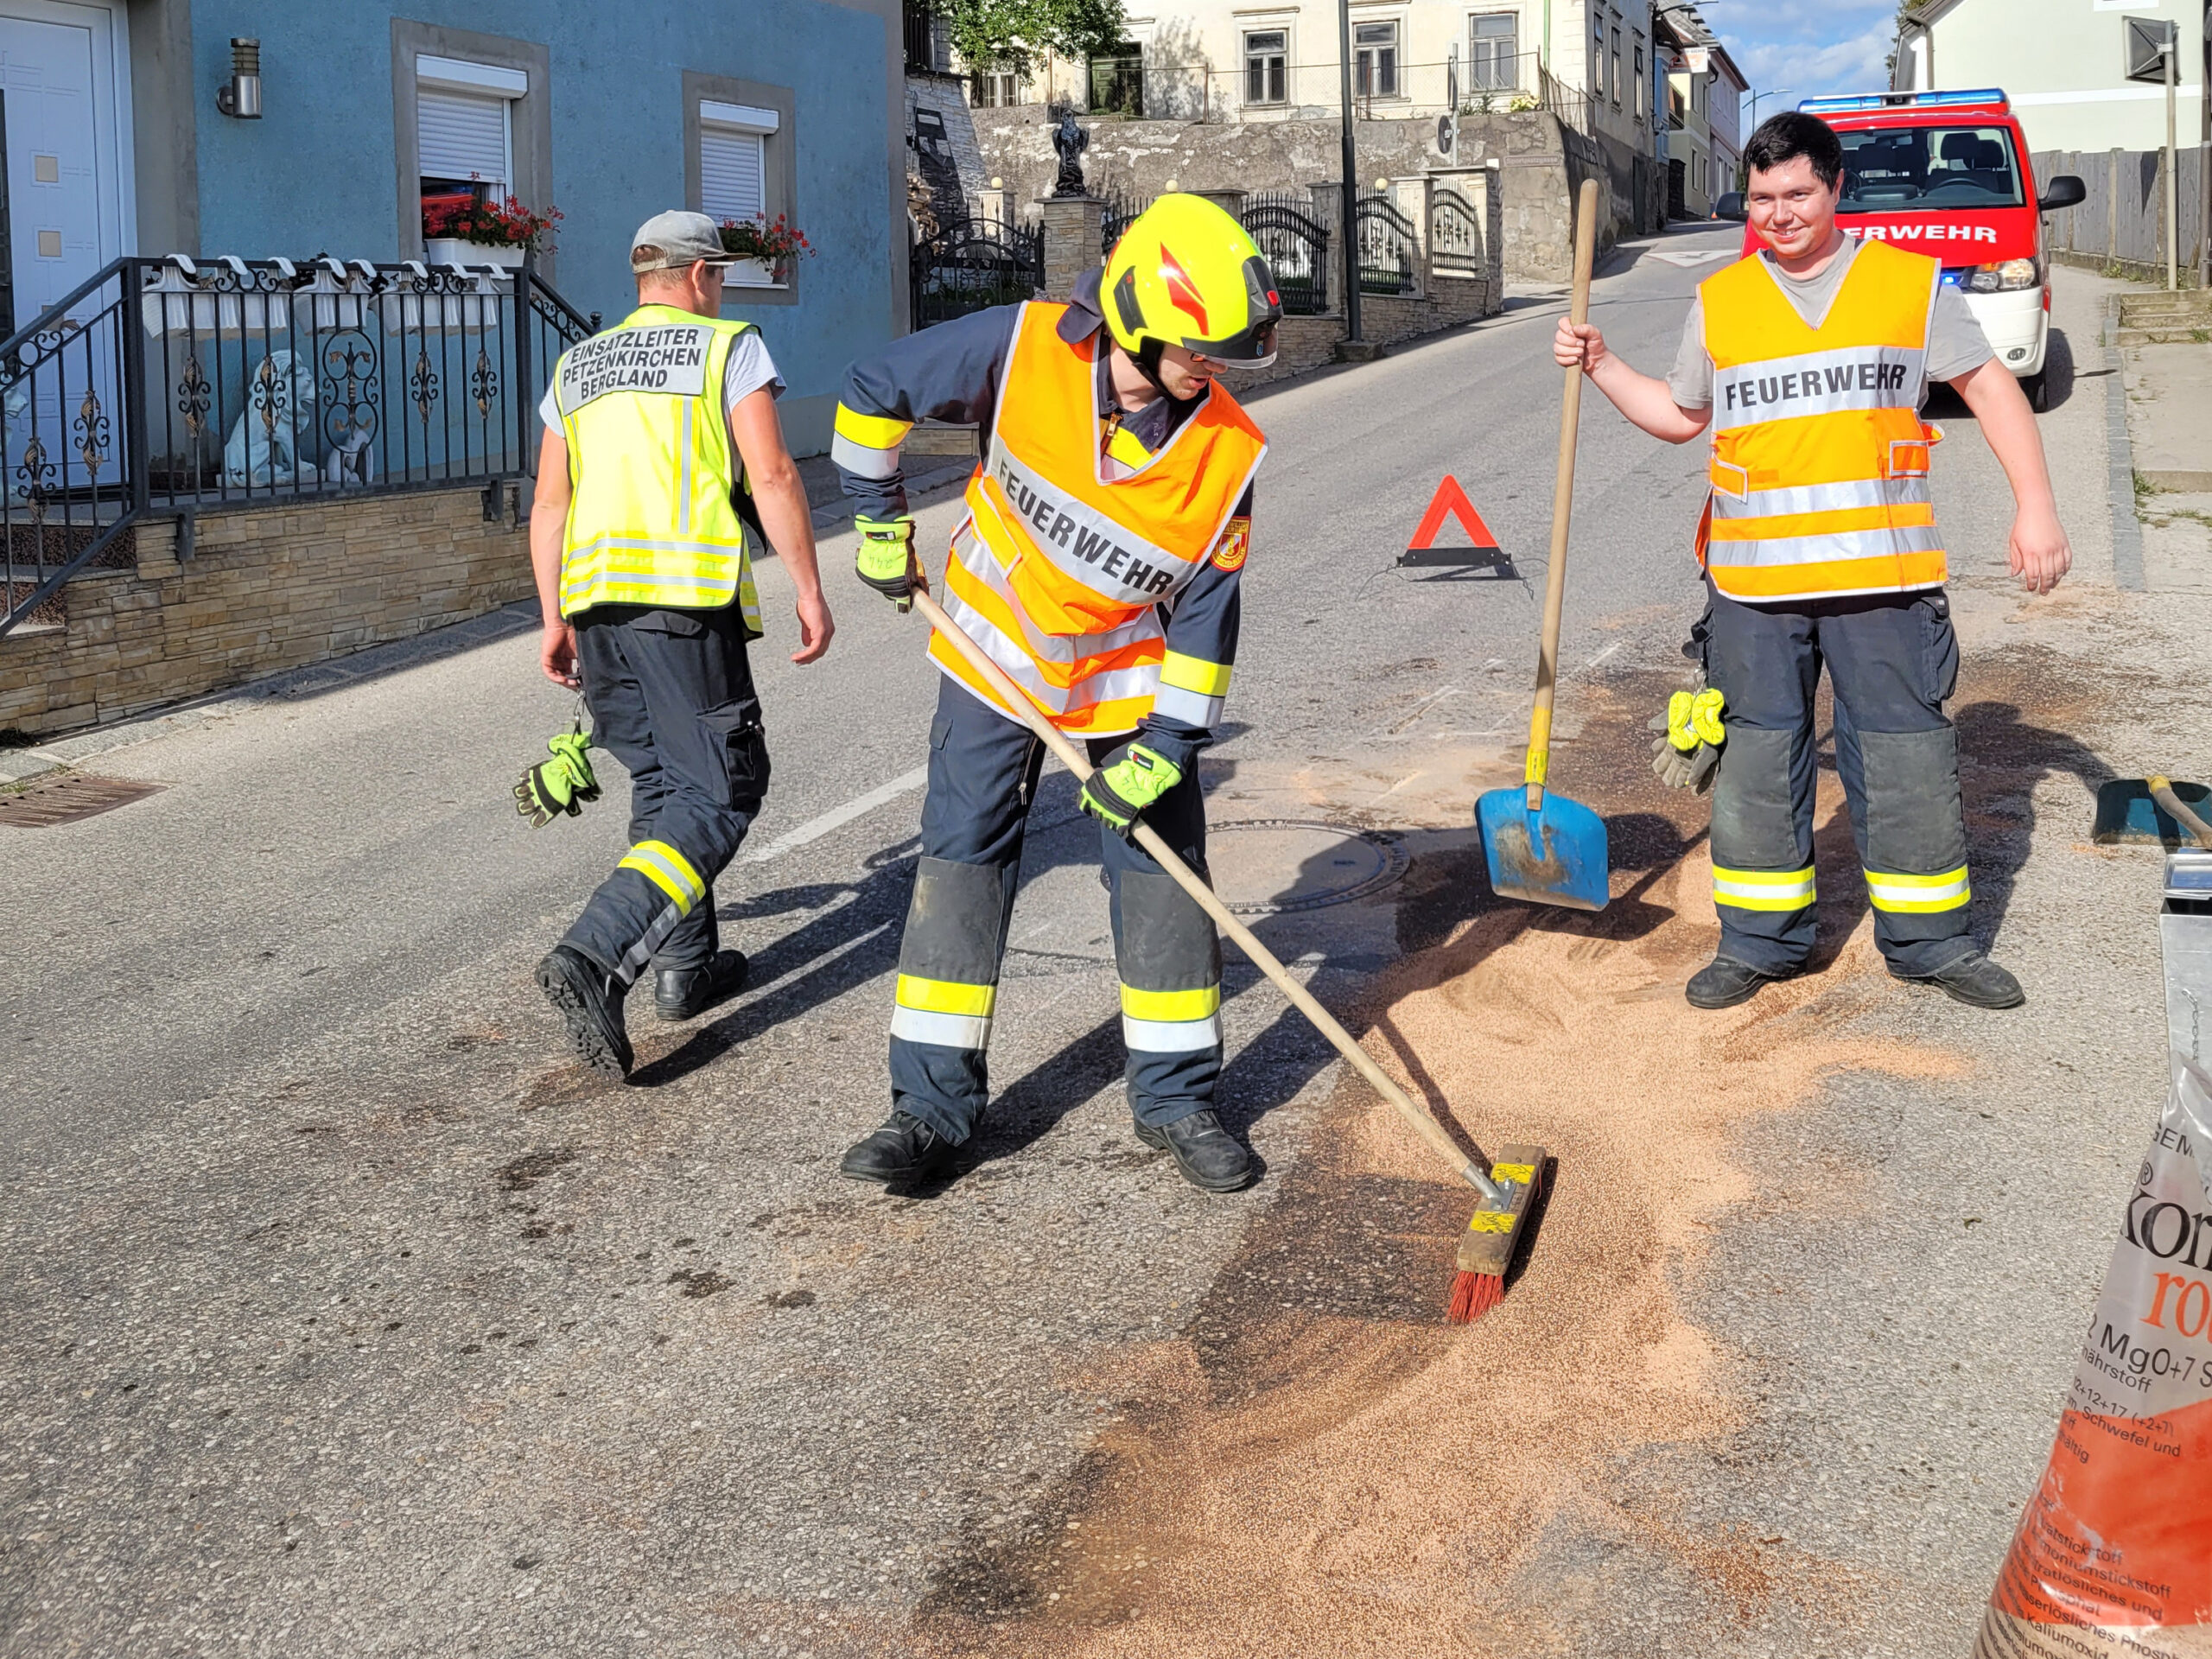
{"x":1495,"y":1233}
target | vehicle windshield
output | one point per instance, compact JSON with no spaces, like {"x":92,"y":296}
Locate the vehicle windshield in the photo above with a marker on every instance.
{"x":1906,"y":169}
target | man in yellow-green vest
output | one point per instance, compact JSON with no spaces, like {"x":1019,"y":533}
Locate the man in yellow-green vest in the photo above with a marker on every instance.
{"x":663,"y":461}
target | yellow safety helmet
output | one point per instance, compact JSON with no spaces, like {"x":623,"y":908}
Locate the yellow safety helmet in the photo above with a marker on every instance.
{"x":1187,"y":274}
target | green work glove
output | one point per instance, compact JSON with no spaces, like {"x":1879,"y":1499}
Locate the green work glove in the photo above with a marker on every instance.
{"x":1687,"y":751}
{"x":886,"y":558}
{"x":1117,"y":795}
{"x":562,"y":785}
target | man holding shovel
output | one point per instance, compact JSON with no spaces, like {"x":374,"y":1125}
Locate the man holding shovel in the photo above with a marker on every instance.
{"x":1098,"y":564}
{"x":1809,"y":363}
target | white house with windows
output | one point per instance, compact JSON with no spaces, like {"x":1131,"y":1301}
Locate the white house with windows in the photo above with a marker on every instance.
{"x":1250,"y":60}
{"x":2060,"y":63}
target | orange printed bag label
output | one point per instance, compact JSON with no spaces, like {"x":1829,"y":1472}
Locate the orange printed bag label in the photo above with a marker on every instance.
{"x":2113,"y":1554}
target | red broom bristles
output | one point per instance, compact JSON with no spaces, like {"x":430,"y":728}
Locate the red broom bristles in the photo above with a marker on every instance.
{"x":1474,"y":1295}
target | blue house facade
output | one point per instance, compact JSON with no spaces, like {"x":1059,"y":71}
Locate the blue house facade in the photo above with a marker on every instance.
{"x":146,"y":127}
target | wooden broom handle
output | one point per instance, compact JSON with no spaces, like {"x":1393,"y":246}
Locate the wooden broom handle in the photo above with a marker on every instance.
{"x":1023,"y":705}
{"x":1570,"y":421}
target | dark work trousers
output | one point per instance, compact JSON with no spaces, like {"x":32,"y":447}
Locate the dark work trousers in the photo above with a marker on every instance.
{"x":671,"y":697}
{"x":1892,"y":660}
{"x":983,"y":771}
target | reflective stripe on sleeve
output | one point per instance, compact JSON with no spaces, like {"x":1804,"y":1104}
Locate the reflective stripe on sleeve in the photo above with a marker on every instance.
{"x":1763,"y":889}
{"x":868,"y":445}
{"x":1187,"y":706}
{"x":667,"y":870}
{"x":1918,"y":894}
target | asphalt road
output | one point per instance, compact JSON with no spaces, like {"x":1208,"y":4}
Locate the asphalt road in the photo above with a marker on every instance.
{"x":339,"y":1314}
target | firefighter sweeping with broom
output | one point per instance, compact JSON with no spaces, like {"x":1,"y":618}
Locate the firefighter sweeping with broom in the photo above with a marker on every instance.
{"x":1098,"y":564}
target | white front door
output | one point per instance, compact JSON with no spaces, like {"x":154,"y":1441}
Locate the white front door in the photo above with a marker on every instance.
{"x":61,"y":79}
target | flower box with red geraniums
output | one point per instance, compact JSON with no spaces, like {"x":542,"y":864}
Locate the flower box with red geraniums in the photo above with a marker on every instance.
{"x":466,"y":232}
{"x":766,"y":248}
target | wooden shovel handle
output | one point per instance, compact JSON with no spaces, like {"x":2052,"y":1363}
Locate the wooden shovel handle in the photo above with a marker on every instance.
{"x":1073,"y":759}
{"x":1570,"y":421}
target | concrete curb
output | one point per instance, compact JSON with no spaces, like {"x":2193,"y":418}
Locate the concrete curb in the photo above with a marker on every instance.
{"x":2126,"y":529}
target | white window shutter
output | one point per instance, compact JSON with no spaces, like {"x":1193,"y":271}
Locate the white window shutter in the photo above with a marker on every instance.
{"x":730,"y":167}
{"x":462,"y":135}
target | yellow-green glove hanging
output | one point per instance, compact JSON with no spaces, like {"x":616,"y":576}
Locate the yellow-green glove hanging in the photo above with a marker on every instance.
{"x":1117,"y":796}
{"x":1687,"y":752}
{"x":885,"y":560}
{"x":562,"y":784}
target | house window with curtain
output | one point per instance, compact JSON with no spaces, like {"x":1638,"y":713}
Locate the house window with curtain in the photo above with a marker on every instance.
{"x":1641,"y":89}
{"x":1493,"y":52}
{"x":1597,"y":55}
{"x":464,"y":136}
{"x":1617,"y":69}
{"x":736,"y":142}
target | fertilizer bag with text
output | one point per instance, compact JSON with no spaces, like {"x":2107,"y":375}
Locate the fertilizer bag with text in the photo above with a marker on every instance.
{"x":2113,"y":1554}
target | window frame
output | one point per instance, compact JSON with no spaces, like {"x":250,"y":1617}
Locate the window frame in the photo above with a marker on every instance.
{"x":1362,"y":55}
{"x":1643,"y":82}
{"x":1512,"y":57}
{"x":529,"y":122}
{"x":1615,"y":60}
{"x":1281,"y":57}
{"x":778,"y":165}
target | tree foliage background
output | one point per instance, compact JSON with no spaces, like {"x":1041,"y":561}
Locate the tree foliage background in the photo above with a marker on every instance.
{"x":1008,"y":34}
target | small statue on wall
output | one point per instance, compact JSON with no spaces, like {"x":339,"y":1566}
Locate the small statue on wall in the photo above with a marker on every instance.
{"x":1069,"y":141}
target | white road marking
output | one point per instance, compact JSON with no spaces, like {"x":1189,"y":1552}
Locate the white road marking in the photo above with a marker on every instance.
{"x":837,"y":817}
{"x":1419,"y":708}
{"x":1600,"y":657}
{"x":1687,"y":256}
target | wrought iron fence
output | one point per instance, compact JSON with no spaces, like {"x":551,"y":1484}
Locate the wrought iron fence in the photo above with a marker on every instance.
{"x":1455,"y":236}
{"x":973,"y":265}
{"x":171,"y":386}
{"x":1387,"y":245}
{"x":1121,"y":210}
{"x":1296,"y":246}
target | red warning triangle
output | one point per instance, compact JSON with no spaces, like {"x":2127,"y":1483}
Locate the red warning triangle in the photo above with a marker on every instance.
{"x":1451,"y":500}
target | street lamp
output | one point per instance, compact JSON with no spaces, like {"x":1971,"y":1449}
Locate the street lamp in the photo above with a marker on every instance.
{"x":1772,"y":92}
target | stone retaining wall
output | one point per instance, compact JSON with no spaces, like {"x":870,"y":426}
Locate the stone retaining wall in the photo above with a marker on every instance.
{"x":266,"y":589}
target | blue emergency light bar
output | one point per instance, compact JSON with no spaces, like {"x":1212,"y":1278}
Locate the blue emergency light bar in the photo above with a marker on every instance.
{"x":1984,"y":96}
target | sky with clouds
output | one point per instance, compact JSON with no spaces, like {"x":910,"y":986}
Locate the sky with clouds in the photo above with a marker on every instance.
{"x":1814,"y":46}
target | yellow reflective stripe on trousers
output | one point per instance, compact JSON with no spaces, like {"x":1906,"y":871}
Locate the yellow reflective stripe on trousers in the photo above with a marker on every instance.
{"x":944,"y":1013}
{"x":946,"y":996}
{"x":667,"y":870}
{"x":1918,"y":894}
{"x":1763,"y":889}
{"x":1171,"y":1022}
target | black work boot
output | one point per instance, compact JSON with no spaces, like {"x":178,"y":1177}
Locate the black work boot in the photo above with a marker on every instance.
{"x":1207,"y":1154}
{"x":1973,"y":979}
{"x":680,"y":993}
{"x":904,"y":1149}
{"x":590,"y":1007}
{"x":1724,"y":981}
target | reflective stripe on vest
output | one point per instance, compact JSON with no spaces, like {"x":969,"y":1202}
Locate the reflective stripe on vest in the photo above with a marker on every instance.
{"x":1818,"y":469}
{"x":652,"y":519}
{"x":1057,"y":572}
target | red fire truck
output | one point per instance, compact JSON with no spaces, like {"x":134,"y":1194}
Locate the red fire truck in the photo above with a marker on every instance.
{"x":1949,"y":174}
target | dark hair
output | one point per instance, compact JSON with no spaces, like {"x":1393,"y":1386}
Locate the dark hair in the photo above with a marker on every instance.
{"x":1793,"y":133}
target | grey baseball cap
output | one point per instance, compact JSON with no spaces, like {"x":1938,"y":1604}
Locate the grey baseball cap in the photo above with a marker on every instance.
{"x":682,"y":238}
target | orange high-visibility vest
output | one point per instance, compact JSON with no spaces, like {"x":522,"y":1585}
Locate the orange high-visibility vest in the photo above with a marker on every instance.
{"x":1057,"y":573}
{"x":1819,"y":458}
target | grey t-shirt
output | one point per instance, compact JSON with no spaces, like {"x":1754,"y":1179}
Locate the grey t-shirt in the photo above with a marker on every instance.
{"x":1956,"y":345}
{"x":748,"y":368}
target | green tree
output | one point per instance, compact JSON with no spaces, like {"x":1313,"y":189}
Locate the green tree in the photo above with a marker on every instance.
{"x":1905,"y":9}
{"x":1008,"y":34}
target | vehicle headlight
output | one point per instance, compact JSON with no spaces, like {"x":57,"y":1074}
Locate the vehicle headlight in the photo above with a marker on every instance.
{"x":2009,"y":277}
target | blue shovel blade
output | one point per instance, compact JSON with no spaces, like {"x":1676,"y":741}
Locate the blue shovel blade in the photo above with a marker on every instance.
{"x":1554,"y":855}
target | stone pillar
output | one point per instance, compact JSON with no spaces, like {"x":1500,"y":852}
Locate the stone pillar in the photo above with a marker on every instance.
{"x":1494,"y":235}
{"x":991,"y":206}
{"x":1415,"y":197}
{"x":1229,"y":201}
{"x":1073,"y":226}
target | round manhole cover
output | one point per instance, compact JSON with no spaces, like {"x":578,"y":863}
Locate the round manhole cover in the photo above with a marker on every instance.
{"x":1262,"y":867}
